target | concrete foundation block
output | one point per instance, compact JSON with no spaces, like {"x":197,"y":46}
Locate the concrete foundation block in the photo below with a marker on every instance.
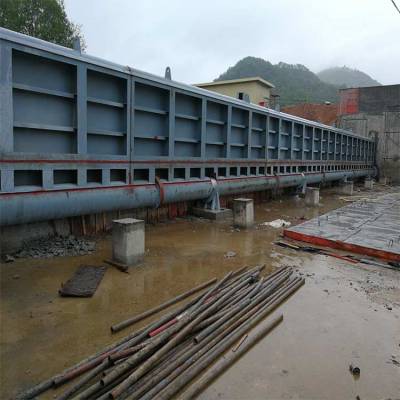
{"x":243,"y":212}
{"x":214,"y":215}
{"x":128,"y":241}
{"x":347,"y":188}
{"x":312,"y":196}
{"x":369,"y":184}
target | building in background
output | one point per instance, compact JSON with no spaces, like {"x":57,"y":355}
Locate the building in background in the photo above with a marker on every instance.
{"x":375,"y":112}
{"x":323,"y":113}
{"x":256,"y":89}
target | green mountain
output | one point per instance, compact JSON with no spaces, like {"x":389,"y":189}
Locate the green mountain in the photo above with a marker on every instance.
{"x":294,"y":83}
{"x":347,"y":77}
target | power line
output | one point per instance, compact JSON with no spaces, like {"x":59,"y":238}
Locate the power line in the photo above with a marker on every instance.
{"x":395,"y":6}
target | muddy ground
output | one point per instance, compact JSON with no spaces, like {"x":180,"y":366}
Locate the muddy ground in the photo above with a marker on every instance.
{"x":344,"y":314}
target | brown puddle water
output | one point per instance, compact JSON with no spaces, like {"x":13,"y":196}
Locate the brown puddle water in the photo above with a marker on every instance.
{"x":327,"y":325}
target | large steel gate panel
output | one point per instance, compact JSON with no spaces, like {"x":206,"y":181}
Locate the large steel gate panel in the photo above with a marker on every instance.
{"x":71,"y":122}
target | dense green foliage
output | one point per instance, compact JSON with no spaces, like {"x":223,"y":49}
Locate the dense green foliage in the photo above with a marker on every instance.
{"x":294,"y":83}
{"x":44,"y":19}
{"x":347,"y":77}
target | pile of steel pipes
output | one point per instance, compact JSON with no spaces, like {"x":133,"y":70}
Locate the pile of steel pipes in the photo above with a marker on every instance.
{"x":161,"y":359}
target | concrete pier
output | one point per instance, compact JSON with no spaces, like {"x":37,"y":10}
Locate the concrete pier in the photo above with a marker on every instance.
{"x":383,"y":180}
{"x":213,"y":215}
{"x":128,"y":241}
{"x":347,"y":188}
{"x":243,"y":212}
{"x":369,"y":184}
{"x":312,"y":196}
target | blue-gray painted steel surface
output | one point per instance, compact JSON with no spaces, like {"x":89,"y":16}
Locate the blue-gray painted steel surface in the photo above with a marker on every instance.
{"x":36,"y":207}
{"x":70,"y":122}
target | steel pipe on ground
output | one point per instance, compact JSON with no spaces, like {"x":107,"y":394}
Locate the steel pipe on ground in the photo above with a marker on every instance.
{"x":136,"y":318}
{"x":205,"y":332}
{"x":186,"y":329}
{"x":163,"y":378}
{"x":155,"y":342}
{"x":83,"y":381}
{"x":181,"y":381}
{"x":227,"y":361}
{"x":95,"y":359}
{"x":223,"y":295}
{"x":212,"y":355}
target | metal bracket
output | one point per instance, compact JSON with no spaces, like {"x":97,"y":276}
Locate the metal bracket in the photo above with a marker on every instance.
{"x":323,"y":180}
{"x":160,"y":187}
{"x":278,"y":182}
{"x":304,"y":185}
{"x":212,"y":202}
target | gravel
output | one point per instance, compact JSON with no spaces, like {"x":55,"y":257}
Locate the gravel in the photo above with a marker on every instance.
{"x":58,"y":246}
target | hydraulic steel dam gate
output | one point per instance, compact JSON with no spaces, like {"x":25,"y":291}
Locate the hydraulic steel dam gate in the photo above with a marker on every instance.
{"x":80,"y":135}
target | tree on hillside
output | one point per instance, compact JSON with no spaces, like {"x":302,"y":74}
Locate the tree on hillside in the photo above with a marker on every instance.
{"x":295,"y":83}
{"x":43,"y":19}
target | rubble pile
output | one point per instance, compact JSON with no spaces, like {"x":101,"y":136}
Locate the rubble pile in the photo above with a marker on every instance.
{"x":57,"y":246}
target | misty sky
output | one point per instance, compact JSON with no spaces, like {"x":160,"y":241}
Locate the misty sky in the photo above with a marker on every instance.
{"x":201,"y":39}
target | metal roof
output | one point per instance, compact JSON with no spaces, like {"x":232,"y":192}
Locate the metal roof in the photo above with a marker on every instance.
{"x":234,"y":81}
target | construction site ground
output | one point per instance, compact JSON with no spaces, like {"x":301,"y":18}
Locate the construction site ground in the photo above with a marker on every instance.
{"x":345,"y":314}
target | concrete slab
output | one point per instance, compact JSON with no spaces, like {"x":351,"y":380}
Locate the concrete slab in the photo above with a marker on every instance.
{"x":369,"y":227}
{"x":214,"y":215}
